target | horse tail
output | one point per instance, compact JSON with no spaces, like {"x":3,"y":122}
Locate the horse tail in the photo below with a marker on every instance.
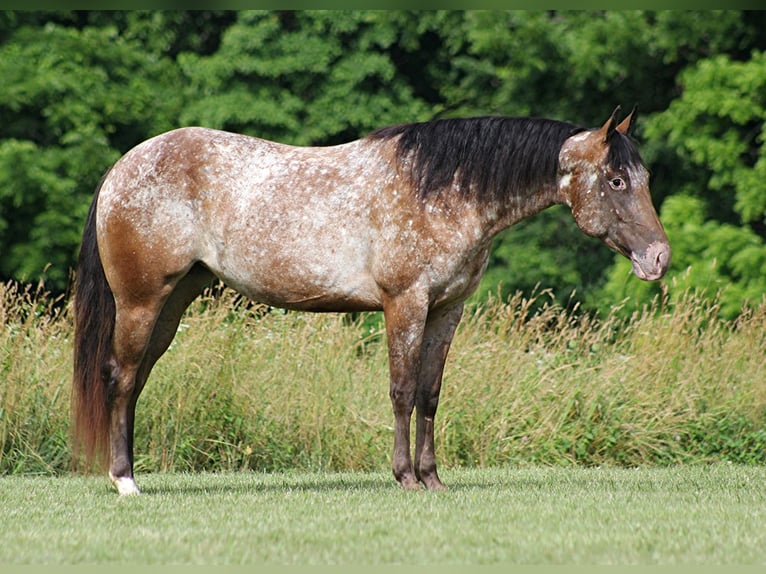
{"x":94,"y":316}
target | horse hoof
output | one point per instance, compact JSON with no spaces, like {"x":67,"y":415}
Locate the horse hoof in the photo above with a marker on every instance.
{"x":436,"y":485}
{"x":125,"y":486}
{"x":409,"y":483}
{"x":432,"y":482}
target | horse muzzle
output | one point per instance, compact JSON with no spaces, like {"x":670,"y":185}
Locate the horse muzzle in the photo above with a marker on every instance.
{"x":653,"y":262}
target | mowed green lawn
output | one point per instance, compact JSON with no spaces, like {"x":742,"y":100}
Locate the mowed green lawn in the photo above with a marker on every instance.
{"x":692,"y":515}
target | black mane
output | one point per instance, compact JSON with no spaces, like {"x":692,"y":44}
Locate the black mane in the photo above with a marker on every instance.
{"x":488,"y":157}
{"x":623,"y":152}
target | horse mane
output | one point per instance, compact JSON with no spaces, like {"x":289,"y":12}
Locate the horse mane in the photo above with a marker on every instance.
{"x":623,"y":152}
{"x":487,"y":157}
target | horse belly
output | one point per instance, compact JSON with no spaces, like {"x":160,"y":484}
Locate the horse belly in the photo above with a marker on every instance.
{"x":303,"y":273}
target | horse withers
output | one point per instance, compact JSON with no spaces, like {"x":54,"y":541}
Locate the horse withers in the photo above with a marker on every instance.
{"x":400,"y":221}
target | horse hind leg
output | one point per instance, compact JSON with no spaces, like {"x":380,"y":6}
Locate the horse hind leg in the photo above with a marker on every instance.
{"x":142,"y":335}
{"x":185,"y":291}
{"x":133,"y":329}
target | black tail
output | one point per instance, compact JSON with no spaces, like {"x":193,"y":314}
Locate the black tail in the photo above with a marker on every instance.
{"x":94,"y":313}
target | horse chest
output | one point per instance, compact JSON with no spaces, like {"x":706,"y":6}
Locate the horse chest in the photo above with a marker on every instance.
{"x":459,"y":278}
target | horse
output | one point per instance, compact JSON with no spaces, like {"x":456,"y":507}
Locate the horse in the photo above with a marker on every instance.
{"x":399,"y":221}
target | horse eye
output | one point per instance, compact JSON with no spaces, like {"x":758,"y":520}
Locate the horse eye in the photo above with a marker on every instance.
{"x":617,"y":183}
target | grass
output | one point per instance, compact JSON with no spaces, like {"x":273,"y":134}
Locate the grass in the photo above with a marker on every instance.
{"x":241,"y":388}
{"x":680,"y":515}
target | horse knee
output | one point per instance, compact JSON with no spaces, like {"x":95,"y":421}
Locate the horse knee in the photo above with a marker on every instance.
{"x":402,"y":399}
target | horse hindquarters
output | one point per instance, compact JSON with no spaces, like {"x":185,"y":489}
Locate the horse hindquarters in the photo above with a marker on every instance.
{"x":103,"y":383}
{"x":129,"y":298}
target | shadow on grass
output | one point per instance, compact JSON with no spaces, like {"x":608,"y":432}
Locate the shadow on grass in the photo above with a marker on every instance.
{"x":509,"y":479}
{"x":161,"y":484}
{"x":244,"y":483}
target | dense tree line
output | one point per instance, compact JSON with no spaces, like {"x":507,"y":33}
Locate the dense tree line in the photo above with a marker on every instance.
{"x":80,"y":88}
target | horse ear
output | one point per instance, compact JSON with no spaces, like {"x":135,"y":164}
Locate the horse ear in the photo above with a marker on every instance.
{"x":606,"y":131}
{"x":626,"y":126}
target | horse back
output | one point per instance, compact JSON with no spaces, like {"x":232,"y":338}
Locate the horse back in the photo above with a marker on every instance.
{"x":316,"y":228}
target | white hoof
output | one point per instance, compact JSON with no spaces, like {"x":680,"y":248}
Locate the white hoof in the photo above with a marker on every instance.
{"x":124,"y":485}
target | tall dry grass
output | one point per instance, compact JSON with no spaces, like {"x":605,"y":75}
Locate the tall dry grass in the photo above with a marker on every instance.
{"x":675,"y":384}
{"x":245,"y":388}
{"x":35,"y":370}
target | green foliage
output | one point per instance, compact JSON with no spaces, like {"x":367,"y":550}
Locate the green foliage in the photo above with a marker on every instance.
{"x":72,"y":101}
{"x":718,"y":125}
{"x":34,"y":390}
{"x":303,"y":78}
{"x":80,"y":88}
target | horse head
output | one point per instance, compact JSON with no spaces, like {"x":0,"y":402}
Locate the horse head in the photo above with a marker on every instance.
{"x":604,"y":181}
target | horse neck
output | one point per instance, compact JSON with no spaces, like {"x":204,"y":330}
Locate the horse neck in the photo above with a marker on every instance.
{"x":518,"y":206}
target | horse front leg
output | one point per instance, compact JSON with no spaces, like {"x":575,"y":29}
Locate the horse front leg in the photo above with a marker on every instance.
{"x":439,"y":330}
{"x":405,"y":320}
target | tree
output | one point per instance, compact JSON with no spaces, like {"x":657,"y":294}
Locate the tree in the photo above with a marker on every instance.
{"x":80,"y":88}
{"x":74,"y":97}
{"x":307,"y":78}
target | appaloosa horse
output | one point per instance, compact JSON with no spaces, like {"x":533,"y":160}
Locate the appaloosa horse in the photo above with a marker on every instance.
{"x":399,"y":221}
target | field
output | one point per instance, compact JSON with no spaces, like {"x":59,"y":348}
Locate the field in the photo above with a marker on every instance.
{"x":686,"y":515}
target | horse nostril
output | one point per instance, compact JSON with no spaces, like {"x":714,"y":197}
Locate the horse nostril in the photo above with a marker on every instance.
{"x":662,"y":259}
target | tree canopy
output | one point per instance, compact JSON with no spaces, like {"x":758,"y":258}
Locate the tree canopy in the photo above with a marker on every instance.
{"x":81,"y":88}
